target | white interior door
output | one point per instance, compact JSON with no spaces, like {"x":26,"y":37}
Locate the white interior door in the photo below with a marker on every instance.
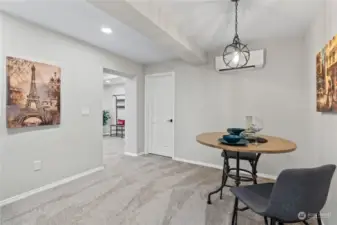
{"x":160,"y":114}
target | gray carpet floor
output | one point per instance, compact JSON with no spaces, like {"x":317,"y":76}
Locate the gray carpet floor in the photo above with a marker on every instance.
{"x":146,"y":190}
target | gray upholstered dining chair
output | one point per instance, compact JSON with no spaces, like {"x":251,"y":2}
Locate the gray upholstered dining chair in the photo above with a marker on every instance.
{"x":297,"y":195}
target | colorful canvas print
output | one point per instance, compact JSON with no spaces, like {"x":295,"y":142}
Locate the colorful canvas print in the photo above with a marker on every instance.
{"x":33,"y":93}
{"x":326,"y":77}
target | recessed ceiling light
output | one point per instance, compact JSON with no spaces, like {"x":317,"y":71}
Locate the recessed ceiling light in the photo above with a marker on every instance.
{"x":108,"y":81}
{"x":106,"y":30}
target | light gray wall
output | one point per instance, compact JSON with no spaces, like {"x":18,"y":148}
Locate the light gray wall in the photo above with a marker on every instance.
{"x":208,"y":101}
{"x":141,"y":113}
{"x":134,"y":118}
{"x":323,"y":126}
{"x":78,"y":137}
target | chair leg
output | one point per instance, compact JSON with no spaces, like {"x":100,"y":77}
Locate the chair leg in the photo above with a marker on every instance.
{"x":280,"y":223}
{"x":223,"y":182}
{"x":319,"y":220}
{"x":272,"y":222}
{"x":254,"y":172}
{"x":235,"y":212}
{"x":266,"y":220}
{"x":254,"y":168}
{"x":225,"y":172}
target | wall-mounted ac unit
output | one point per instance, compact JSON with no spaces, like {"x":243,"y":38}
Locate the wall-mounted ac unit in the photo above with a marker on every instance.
{"x":257,"y":60}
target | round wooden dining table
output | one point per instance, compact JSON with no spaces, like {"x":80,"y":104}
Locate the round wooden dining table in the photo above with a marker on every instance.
{"x":274,"y":145}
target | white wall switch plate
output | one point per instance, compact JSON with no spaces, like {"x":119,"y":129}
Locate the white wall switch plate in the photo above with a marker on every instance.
{"x":37,"y":165}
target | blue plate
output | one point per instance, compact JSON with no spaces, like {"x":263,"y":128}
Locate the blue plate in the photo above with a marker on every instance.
{"x":242,"y":142}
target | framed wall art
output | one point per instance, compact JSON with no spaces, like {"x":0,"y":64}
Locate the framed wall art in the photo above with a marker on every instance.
{"x":33,"y":93}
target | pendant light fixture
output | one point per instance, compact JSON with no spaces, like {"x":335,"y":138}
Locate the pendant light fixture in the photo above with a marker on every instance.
{"x":236,"y":55}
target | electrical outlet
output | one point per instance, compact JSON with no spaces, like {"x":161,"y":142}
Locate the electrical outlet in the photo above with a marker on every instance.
{"x":37,"y":165}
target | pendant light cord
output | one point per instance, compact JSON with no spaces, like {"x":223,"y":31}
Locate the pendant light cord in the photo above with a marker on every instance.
{"x":236,"y":17}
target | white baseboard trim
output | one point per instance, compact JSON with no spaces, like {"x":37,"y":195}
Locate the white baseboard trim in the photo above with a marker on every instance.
{"x":263,"y":175}
{"x":48,"y":186}
{"x":198,"y":163}
{"x":267,"y":176}
{"x":134,"y":154}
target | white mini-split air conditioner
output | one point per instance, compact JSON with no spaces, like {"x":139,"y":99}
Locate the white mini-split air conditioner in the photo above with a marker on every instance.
{"x":257,"y":60}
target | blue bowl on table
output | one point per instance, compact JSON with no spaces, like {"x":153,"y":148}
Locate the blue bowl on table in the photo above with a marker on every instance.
{"x":235,"y":131}
{"x":231,"y":139}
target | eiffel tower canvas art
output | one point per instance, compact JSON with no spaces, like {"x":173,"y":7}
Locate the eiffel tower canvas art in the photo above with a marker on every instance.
{"x":33,"y":93}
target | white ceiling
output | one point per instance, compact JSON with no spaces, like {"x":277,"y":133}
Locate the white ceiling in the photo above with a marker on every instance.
{"x":81,"y":20}
{"x":208,"y":23}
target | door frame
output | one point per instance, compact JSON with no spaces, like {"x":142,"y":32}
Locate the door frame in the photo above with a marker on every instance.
{"x":148,"y":136}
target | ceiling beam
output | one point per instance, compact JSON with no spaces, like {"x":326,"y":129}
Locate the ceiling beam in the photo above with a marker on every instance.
{"x":153,"y":23}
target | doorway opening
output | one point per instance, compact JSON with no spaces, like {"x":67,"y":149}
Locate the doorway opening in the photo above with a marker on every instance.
{"x":114,"y":115}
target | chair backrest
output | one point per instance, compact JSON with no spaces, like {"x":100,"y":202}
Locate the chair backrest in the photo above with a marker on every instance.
{"x":300,"y":191}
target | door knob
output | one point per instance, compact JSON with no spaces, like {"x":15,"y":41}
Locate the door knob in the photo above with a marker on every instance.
{"x":170,"y":120}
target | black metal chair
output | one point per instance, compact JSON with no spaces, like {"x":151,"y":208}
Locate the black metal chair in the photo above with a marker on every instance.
{"x":252,"y":158}
{"x":297,"y":195}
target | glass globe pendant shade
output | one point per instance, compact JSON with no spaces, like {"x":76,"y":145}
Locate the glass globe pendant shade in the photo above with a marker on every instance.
{"x":236,"y":55}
